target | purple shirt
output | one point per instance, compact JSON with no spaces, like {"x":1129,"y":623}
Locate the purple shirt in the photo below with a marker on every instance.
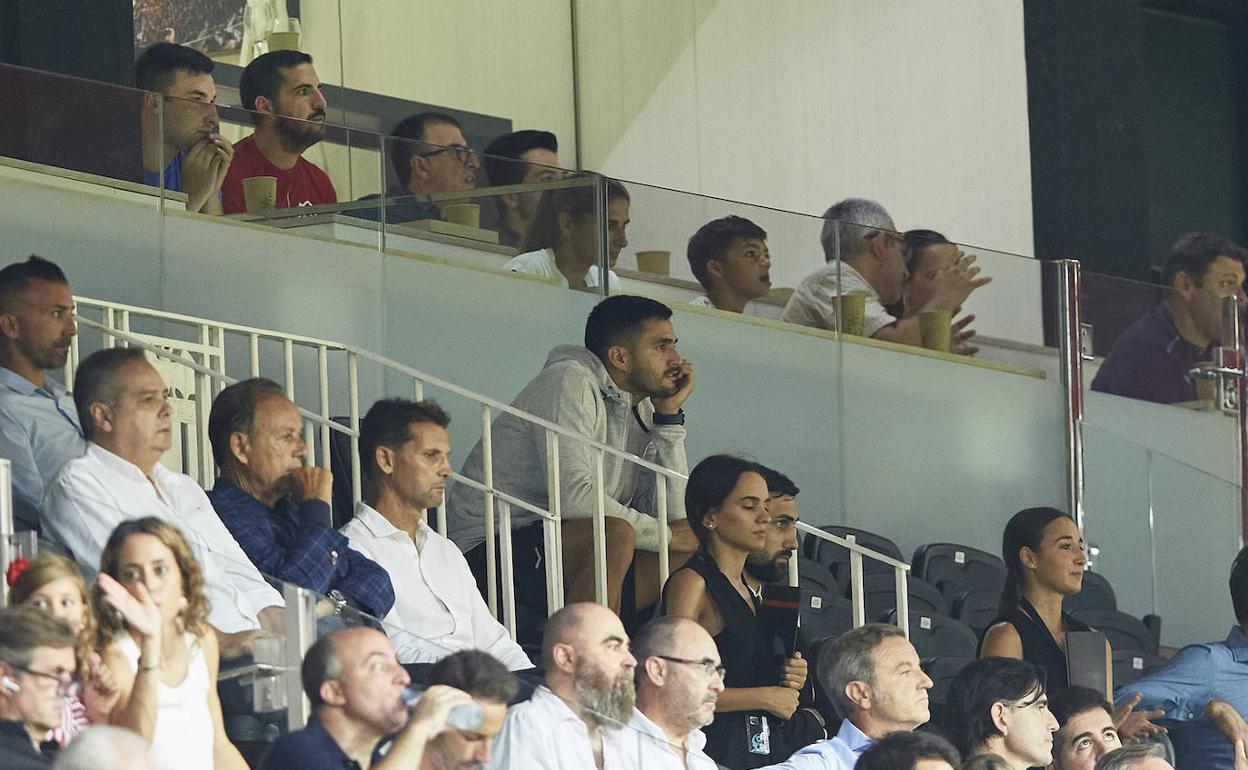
{"x":1150,"y":361}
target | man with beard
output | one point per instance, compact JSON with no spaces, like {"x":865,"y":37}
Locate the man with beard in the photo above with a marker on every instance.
{"x":679,"y":679}
{"x":625,"y":387}
{"x":276,"y":507}
{"x":284,"y":94}
{"x":39,"y":428}
{"x":729,"y":258}
{"x":588,"y":693}
{"x":771,"y":565}
{"x":492,"y":687}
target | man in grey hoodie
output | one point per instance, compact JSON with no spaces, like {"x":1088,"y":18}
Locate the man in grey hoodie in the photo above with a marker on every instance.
{"x":624,"y":388}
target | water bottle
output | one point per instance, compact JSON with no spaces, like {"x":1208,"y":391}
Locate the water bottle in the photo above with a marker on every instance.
{"x":466,"y":716}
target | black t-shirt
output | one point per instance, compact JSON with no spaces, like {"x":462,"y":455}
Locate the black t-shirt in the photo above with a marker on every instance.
{"x":16,"y":751}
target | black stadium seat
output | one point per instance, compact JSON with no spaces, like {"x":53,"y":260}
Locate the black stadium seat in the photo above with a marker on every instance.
{"x":1130,"y":665}
{"x":836,"y":557}
{"x":880,"y":593}
{"x":814,"y":576}
{"x":942,"y":670}
{"x":1125,"y":632}
{"x":976,"y":608}
{"x":956,"y":569}
{"x":1097,"y":594}
{"x":936,"y":636}
{"x":824,"y":616}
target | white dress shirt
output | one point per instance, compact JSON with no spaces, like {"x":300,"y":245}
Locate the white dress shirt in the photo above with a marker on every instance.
{"x":94,"y":493}
{"x":542,"y":263}
{"x":543,"y":733}
{"x":435,"y":594}
{"x":813,"y":302}
{"x":647,"y":747}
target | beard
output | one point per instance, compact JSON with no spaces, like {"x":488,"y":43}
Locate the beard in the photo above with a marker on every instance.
{"x":297,"y":136}
{"x":767,"y":570}
{"x":50,"y":357}
{"x":607,"y":700}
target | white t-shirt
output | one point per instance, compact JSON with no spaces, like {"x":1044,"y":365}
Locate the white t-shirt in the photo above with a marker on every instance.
{"x":814,"y":300}
{"x":543,"y":263}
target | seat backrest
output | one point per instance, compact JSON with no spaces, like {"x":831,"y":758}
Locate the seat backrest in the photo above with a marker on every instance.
{"x":816,"y":577}
{"x":976,"y":608}
{"x":341,"y":505}
{"x":880,"y":595}
{"x":956,"y":568}
{"x":1097,"y":594}
{"x":936,"y":636}
{"x":1125,"y":632}
{"x":824,"y":616}
{"x":1130,"y":665}
{"x":828,"y":554}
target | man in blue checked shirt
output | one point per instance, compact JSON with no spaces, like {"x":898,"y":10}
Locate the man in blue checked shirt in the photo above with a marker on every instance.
{"x":277,"y":509}
{"x":1204,"y":690}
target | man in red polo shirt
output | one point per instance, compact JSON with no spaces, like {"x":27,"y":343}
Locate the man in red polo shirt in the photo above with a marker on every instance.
{"x":283,"y":91}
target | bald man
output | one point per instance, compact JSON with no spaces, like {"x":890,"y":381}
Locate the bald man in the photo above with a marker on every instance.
{"x":587,"y":694}
{"x":679,"y":679}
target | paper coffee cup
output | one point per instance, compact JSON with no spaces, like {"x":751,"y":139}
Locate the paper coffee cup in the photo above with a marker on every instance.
{"x":657,"y":262}
{"x":853,"y":312}
{"x":1206,"y":387}
{"x":934,"y":329}
{"x":260,"y":193}
{"x":466,"y":214}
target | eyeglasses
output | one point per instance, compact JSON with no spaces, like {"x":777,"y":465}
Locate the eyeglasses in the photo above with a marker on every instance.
{"x":462,"y":153}
{"x":707,"y":665}
{"x":65,"y":688}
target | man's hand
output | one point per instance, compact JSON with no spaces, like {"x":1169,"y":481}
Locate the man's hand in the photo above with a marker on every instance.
{"x":1134,"y":725}
{"x":1229,"y":722}
{"x":435,"y":706}
{"x":793,"y":673}
{"x":203,"y":171}
{"x":1241,"y":756}
{"x":312,"y":483}
{"x":953,"y":284}
{"x":684,"y":387}
{"x":960,"y":336}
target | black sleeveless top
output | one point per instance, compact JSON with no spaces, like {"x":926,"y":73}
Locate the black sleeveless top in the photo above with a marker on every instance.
{"x":727,"y":738}
{"x":1039,"y":647}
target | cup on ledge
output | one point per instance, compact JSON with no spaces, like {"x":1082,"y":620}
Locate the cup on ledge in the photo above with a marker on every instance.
{"x":853,"y":311}
{"x":466,"y":214}
{"x":934,"y":329}
{"x":1206,"y":387}
{"x":657,"y":262}
{"x":260,"y":193}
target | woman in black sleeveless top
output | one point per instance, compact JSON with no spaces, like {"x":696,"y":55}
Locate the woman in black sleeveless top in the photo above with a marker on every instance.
{"x":726,"y":502}
{"x":1044,"y":560}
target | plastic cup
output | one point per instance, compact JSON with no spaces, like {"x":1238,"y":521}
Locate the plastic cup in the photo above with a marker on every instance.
{"x":934,"y":329}
{"x":658,"y":262}
{"x":853,"y":312}
{"x":260,"y":193}
{"x":466,"y":214}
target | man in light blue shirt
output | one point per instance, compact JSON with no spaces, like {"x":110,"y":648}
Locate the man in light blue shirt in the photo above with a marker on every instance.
{"x":1204,"y":689}
{"x":872,"y":675}
{"x":39,"y":429}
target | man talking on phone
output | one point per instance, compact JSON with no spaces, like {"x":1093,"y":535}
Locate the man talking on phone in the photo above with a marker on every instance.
{"x":626,"y":388}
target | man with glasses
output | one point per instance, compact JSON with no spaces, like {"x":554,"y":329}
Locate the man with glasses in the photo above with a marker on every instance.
{"x":679,"y":679}
{"x":36,"y":676}
{"x":39,"y":428}
{"x":873,"y":676}
{"x":873,"y":263}
{"x":429,"y":155}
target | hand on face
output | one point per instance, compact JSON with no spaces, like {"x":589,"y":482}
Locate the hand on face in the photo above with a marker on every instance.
{"x":681,"y":379}
{"x":312,"y":483}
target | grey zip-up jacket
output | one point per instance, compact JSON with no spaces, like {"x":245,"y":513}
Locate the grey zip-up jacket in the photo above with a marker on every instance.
{"x":574,"y":390}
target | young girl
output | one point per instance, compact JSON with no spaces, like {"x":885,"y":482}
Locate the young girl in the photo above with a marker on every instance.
{"x":161,"y":647}
{"x":53,"y":584}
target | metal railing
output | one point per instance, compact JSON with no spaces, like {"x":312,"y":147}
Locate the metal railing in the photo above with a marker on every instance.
{"x":857,"y":591}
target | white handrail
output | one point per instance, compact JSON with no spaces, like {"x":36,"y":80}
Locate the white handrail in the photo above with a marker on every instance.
{"x":857,"y":592}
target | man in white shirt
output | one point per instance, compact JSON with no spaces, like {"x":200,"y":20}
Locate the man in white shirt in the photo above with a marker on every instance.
{"x":679,"y":679}
{"x":122,"y":406}
{"x":872,"y":675}
{"x":873,"y":263}
{"x":588,"y":694}
{"x":405,"y":457}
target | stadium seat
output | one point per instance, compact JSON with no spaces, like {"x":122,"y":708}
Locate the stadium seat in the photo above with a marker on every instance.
{"x":937,"y":636}
{"x":880,"y":596}
{"x":814,"y":576}
{"x":976,"y":608}
{"x":942,"y":670}
{"x":1125,"y":632}
{"x":824,"y":616}
{"x":1097,"y":594}
{"x":1130,"y":665}
{"x":956,"y":569}
{"x":836,"y":557}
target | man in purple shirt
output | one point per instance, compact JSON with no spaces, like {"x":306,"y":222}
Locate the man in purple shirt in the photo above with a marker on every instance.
{"x":1152,"y":358}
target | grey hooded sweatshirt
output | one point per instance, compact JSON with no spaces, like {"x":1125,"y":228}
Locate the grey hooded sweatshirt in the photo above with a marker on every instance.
{"x":574,"y":390}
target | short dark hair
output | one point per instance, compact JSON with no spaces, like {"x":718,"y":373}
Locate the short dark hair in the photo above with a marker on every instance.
{"x":263,"y":77}
{"x":902,"y":750}
{"x":710,"y":483}
{"x":406,"y":135}
{"x":1073,"y":701}
{"x":712,"y":241}
{"x":234,"y":411}
{"x":477,"y":673}
{"x":15,"y":277}
{"x":915,"y":241}
{"x":577,"y":202}
{"x":1192,"y":253}
{"x":618,"y":319}
{"x":1239,"y":585}
{"x":95,"y":381}
{"x":156,"y":67}
{"x":388,"y":424}
{"x":501,"y":154}
{"x":778,"y":483}
{"x":320,"y":664}
{"x":979,"y":685}
{"x":24,"y":628}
